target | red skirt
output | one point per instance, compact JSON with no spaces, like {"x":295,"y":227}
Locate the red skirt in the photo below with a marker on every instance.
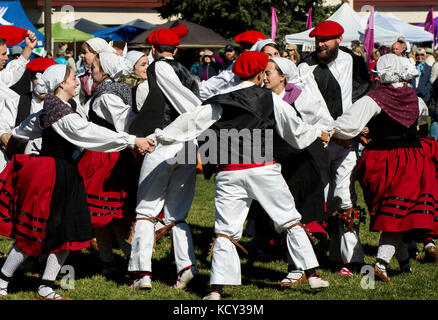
{"x":400,"y":188}
{"x":110,"y":184}
{"x":32,"y":210}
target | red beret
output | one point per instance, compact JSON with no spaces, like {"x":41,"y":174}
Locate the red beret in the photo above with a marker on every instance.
{"x":251,"y":36}
{"x":163,"y":36}
{"x":180,"y":30}
{"x":13,"y":35}
{"x":40,"y":64}
{"x":327,"y":28}
{"x":250,"y":63}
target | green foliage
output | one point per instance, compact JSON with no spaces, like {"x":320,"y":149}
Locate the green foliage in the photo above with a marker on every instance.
{"x":231,"y":17}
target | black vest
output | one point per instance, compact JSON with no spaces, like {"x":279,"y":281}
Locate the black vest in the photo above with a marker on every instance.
{"x":53,"y":145}
{"x":157,"y":111}
{"x":329,"y":86}
{"x":386,"y":134}
{"x":249,"y":112}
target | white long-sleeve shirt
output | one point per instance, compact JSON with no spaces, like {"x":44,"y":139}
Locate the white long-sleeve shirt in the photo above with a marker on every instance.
{"x":13,"y":71}
{"x":351,"y":123}
{"x":181,"y":98}
{"x":141,"y":94}
{"x":78,"y":131}
{"x":223,"y":81}
{"x":9,"y":111}
{"x":287,"y":123}
{"x":111,"y":107}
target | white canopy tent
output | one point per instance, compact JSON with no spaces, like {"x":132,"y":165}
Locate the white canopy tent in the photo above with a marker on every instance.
{"x":388,"y":21}
{"x":353,"y":30}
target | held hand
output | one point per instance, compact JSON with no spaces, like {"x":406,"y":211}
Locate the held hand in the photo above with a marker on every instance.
{"x":5,"y":139}
{"x":144,"y":145}
{"x":365,"y":131}
{"x":325,"y":137}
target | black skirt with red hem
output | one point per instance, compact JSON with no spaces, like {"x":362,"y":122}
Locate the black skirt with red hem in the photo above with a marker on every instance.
{"x":400,"y":188}
{"x":111,"y":185}
{"x":43,"y":205}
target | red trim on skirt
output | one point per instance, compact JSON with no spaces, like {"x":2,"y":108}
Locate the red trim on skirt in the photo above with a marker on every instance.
{"x":107,"y":178}
{"x":243,"y":166}
{"x":400,"y":188}
{"x":26,"y":188}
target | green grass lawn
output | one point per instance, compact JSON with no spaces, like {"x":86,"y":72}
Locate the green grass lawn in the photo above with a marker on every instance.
{"x":259,"y":278}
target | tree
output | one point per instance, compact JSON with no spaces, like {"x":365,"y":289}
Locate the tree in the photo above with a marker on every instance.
{"x":231,"y":17}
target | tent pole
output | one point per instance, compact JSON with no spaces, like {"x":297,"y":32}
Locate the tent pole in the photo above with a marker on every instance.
{"x":48,"y":25}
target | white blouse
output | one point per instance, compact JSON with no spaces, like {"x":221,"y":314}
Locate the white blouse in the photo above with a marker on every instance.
{"x":78,"y":131}
{"x":351,"y":123}
{"x":111,"y":107}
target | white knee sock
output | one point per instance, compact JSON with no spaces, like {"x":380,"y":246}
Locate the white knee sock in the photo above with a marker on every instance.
{"x":54,"y":264}
{"x":387,"y":245}
{"x":14,"y":260}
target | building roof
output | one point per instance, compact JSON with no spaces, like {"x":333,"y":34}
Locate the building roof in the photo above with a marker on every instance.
{"x":99,"y":3}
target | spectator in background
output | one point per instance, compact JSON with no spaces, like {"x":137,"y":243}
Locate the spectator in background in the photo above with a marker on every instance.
{"x":194,"y":68}
{"x":397,"y":48}
{"x":293,"y":52}
{"x":16,"y":52}
{"x":119,"y":51}
{"x":358,"y":51}
{"x":430,"y":59}
{"x":230,"y":56}
{"x":355,"y":44}
{"x":421,"y":83}
{"x":375,"y":55}
{"x":60,"y":58}
{"x":433,"y":103}
{"x":434,"y":73}
{"x":210,"y":66}
{"x":70,"y":60}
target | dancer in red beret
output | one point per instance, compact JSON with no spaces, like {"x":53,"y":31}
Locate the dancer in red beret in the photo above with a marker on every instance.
{"x":342,"y":78}
{"x":245,"y":174}
{"x":9,"y":36}
{"x":165,"y":186}
{"x":227,"y":79}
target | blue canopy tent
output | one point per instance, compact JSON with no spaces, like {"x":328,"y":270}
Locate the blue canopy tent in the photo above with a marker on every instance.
{"x":12,"y":14}
{"x":120,"y":33}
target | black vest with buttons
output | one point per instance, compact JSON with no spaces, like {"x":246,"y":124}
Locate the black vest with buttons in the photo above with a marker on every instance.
{"x":157,"y":111}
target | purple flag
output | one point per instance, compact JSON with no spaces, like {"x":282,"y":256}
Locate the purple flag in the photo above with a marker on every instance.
{"x":309,"y":19}
{"x":429,"y":25}
{"x":368,"y":43}
{"x":273,"y":24}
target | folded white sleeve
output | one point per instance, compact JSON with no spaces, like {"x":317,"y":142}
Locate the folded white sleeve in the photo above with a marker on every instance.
{"x":13,"y":71}
{"x":188,"y":125}
{"x":355,"y":118}
{"x":88,"y":135}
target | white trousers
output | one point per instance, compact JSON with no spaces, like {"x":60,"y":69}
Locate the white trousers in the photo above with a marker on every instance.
{"x":169,"y":187}
{"x":337,"y":166}
{"x":235,"y":191}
